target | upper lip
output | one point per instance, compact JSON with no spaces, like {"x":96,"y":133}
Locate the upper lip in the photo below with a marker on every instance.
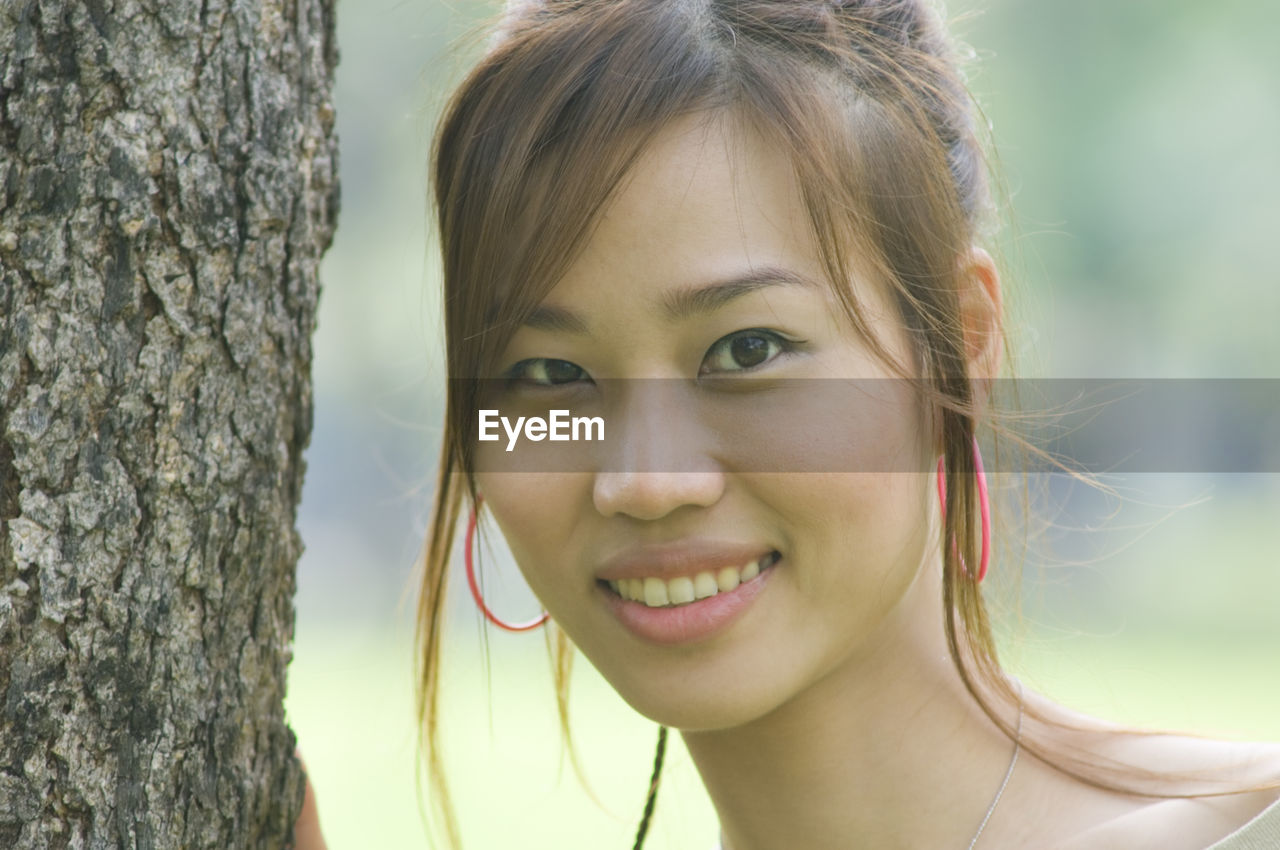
{"x":683,"y":558}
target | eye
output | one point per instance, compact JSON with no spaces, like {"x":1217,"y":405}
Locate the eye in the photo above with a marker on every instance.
{"x":544,"y":372}
{"x":743,"y":351}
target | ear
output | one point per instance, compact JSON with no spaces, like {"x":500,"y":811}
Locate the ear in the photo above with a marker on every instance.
{"x":981,"y":315}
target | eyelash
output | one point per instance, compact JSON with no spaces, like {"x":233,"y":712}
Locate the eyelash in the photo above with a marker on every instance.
{"x":519,"y":373}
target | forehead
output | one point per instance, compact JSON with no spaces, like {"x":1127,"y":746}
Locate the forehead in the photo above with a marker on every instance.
{"x":706,"y":198}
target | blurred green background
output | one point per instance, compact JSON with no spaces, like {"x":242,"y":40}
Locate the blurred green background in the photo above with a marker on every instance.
{"x":1138,"y":143}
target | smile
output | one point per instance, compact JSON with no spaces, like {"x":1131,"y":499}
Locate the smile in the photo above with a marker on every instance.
{"x":656,"y":592}
{"x":686,"y":594}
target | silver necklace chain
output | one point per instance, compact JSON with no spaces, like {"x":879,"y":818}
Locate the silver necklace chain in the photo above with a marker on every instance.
{"x":1008,"y":774}
{"x":1017,"y":747}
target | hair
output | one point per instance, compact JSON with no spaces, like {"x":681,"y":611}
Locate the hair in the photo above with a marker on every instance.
{"x":867,"y":101}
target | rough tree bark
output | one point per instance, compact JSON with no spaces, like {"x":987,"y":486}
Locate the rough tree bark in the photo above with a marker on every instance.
{"x":167,"y":187}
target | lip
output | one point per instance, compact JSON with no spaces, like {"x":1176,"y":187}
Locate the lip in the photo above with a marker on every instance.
{"x":688,"y":623}
{"x":686,"y":558}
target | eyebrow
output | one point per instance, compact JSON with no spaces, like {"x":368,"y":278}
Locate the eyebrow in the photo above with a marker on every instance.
{"x":696,"y":301}
{"x":683,"y":303}
{"x":546,"y":318}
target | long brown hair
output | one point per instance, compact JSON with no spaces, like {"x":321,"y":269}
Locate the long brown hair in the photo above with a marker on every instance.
{"x":866,"y":100}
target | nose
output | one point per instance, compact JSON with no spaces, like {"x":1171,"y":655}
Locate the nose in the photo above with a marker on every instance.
{"x":653,"y":495}
{"x":658,"y":462}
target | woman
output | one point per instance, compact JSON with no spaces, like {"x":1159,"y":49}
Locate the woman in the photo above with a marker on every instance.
{"x":746,"y":236}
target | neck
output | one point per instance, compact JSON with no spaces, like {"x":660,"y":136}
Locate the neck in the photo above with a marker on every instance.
{"x":888,"y":750}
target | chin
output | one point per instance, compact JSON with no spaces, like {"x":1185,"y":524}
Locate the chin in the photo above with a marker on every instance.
{"x":704,"y":707}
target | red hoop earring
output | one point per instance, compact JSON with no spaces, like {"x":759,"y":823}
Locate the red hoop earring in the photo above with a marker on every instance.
{"x":984,"y":503}
{"x":475,"y":588}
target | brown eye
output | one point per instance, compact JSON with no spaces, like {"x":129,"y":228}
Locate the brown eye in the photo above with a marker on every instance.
{"x":561,"y":371}
{"x":748,"y":351}
{"x":546,"y":371}
{"x":742,"y":351}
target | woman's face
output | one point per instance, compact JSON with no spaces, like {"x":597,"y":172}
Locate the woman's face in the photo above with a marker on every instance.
{"x":701,"y":292}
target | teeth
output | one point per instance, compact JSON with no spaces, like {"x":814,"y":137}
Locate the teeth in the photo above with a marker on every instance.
{"x":680,"y":590}
{"x":656,"y":593}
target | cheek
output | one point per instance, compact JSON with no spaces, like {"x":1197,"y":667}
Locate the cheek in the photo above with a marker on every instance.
{"x":535,"y":513}
{"x":861,"y":535}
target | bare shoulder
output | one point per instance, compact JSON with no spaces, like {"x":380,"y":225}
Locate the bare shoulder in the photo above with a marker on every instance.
{"x":1190,"y":823}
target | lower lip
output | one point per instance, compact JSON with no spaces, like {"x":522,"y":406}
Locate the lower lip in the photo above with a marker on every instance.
{"x":686,"y":623}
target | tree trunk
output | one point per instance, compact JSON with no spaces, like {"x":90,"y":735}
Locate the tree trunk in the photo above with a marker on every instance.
{"x":167,"y":187}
